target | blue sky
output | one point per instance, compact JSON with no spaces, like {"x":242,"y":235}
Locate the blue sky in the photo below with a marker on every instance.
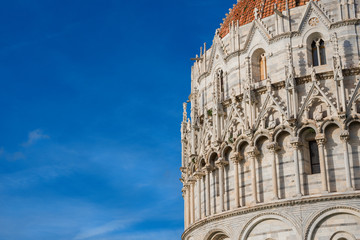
{"x":91,"y":103}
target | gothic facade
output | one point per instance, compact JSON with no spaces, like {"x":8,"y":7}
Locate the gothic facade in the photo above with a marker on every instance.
{"x":271,"y":150}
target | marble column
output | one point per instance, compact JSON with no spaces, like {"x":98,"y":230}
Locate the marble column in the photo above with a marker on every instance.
{"x":235,"y":158}
{"x":273,"y":147}
{"x":192,"y":200}
{"x":320,"y":139}
{"x":199,"y":175}
{"x":252,"y":156}
{"x":295,"y":144}
{"x":208,"y":170}
{"x":188,"y":210}
{"x":183,"y":190}
{"x":220,"y":163}
{"x":345,"y":139}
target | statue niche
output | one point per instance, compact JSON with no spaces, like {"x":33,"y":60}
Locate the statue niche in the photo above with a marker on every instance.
{"x":272,"y":119}
{"x":239,"y":129}
{"x":317,"y":110}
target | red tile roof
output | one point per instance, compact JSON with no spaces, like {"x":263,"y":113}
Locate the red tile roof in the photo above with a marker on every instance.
{"x":243,"y":11}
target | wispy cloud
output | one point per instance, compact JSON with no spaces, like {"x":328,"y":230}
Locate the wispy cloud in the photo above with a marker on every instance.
{"x":165,"y":234}
{"x":33,"y":176}
{"x":35,"y":136}
{"x":11,"y":156}
{"x":104,"y":229}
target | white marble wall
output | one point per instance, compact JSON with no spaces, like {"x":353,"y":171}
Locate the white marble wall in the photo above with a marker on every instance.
{"x":318,"y":192}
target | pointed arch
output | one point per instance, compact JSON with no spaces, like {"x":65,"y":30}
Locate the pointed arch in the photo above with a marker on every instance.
{"x":313,"y":8}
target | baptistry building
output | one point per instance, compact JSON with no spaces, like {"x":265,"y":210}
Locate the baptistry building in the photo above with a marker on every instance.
{"x":271,"y":130}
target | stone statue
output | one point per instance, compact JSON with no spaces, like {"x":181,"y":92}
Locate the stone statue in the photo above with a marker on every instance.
{"x":318,"y":113}
{"x":272,"y":122}
{"x":313,"y":74}
{"x":268,"y":86}
{"x":231,"y":135}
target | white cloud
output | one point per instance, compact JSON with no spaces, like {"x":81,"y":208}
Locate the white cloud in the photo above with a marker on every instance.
{"x":106,"y":228}
{"x":163,"y":234}
{"x":35,"y":136}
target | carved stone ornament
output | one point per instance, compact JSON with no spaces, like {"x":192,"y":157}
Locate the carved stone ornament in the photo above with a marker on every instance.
{"x":344,"y":135}
{"x":273,"y":146}
{"x":272,"y":122}
{"x":235,"y":157}
{"x":315,"y":92}
{"x":313,"y":21}
{"x":313,"y":74}
{"x":318,"y":113}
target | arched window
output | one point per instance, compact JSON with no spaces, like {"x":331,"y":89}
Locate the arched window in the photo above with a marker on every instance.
{"x":310,"y":151}
{"x":202,"y":163}
{"x":263,"y":67}
{"x":226,"y":175}
{"x":314,"y":157}
{"x":193,"y":170}
{"x":258,"y":65}
{"x":220,"y":84}
{"x":318,"y":52}
{"x":222,"y":88}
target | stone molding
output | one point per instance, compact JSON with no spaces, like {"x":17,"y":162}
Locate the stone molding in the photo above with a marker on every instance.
{"x":273,"y":205}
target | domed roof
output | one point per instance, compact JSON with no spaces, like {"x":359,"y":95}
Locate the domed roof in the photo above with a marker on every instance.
{"x":243,"y":11}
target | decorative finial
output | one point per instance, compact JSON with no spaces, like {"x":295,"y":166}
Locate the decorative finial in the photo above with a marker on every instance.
{"x":256,"y":13}
{"x":184,"y":112}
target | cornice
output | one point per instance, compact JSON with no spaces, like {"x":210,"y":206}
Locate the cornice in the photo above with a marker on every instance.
{"x":344,"y":23}
{"x":260,"y":207}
